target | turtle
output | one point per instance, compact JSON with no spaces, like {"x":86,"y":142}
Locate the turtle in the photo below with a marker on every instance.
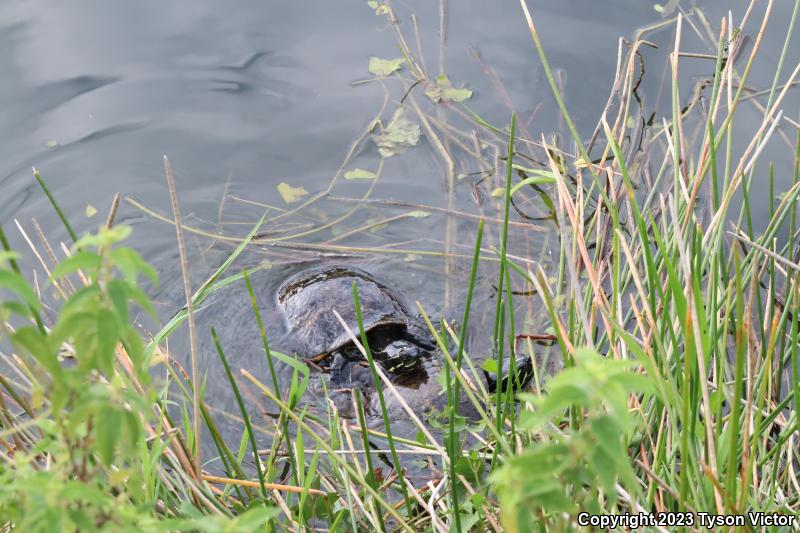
{"x":397,"y":340}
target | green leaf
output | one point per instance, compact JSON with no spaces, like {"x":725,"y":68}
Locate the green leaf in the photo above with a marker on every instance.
{"x":7,"y":256}
{"x":132,"y":426}
{"x":373,"y":4}
{"x":84,"y":298}
{"x":90,"y":210}
{"x":398,"y":135}
{"x":418,"y":214}
{"x":16,"y":308}
{"x":76,"y":491}
{"x":384,"y":67}
{"x":253,"y":519}
{"x":38,"y":346}
{"x":540,"y":178}
{"x":106,"y":340}
{"x":104,"y":237}
{"x":130,"y":263}
{"x":443,"y":91}
{"x":17,"y":284}
{"x":140,"y":298}
{"x":81,"y":260}
{"x":291,"y":194}
{"x":117,"y":292}
{"x":359,"y":174}
{"x":107,"y":428}
{"x":134,"y":346}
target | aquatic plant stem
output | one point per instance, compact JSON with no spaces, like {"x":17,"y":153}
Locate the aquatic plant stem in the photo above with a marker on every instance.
{"x":456,"y":397}
{"x":499,"y":332}
{"x":54,"y":203}
{"x":303,"y":425}
{"x":173,"y":195}
{"x":367,"y":451}
{"x":250,"y":434}
{"x":379,"y":391}
{"x":273,"y":374}
{"x":15,"y":267}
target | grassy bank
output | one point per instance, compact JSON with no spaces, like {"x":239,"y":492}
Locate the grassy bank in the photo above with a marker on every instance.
{"x":674,"y":309}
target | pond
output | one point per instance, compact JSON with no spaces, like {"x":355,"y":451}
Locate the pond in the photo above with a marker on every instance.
{"x":268,"y":105}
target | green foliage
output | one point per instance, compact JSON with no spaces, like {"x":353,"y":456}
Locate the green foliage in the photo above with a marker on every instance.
{"x":88,"y":415}
{"x":80,"y":461}
{"x":564,"y":471}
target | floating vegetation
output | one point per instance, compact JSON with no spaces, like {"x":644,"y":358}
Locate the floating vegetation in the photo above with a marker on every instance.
{"x":384,"y":67}
{"x":443,"y":91}
{"x":291,"y":194}
{"x":398,"y":135}
{"x":360,"y":174}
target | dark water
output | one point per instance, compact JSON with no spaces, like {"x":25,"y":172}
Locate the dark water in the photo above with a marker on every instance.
{"x":244,"y":96}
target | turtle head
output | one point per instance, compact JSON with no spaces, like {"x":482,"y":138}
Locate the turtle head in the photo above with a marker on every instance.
{"x":401,"y":356}
{"x":523,"y":366}
{"x":418,"y":333}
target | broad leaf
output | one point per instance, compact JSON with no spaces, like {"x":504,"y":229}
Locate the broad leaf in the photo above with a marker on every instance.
{"x":359,"y":174}
{"x":443,"y":91}
{"x":384,"y":67}
{"x":291,"y":194}
{"x":398,"y":135}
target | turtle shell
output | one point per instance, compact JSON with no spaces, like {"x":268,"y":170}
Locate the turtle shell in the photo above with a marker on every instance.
{"x":309,"y":299}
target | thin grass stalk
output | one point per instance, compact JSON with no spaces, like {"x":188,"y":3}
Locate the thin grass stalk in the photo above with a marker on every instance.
{"x":273,"y":374}
{"x":303,"y":425}
{"x":250,"y":434}
{"x":512,"y":384}
{"x":499,"y":332}
{"x":450,"y":442}
{"x":190,"y":314}
{"x":381,"y":400}
{"x":476,"y":403}
{"x":53,"y":202}
{"x":500,"y":343}
{"x":15,"y":267}
{"x":455,"y":400}
{"x":364,"y":439}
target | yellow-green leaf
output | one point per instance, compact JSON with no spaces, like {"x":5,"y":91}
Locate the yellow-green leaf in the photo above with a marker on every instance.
{"x":398,"y":135}
{"x":377,"y":227}
{"x":90,"y":210}
{"x":384,"y":67}
{"x":373,"y":4}
{"x":498,"y":192}
{"x":418,"y":214}
{"x":359,"y":174}
{"x":291,"y":194}
{"x":443,"y":91}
